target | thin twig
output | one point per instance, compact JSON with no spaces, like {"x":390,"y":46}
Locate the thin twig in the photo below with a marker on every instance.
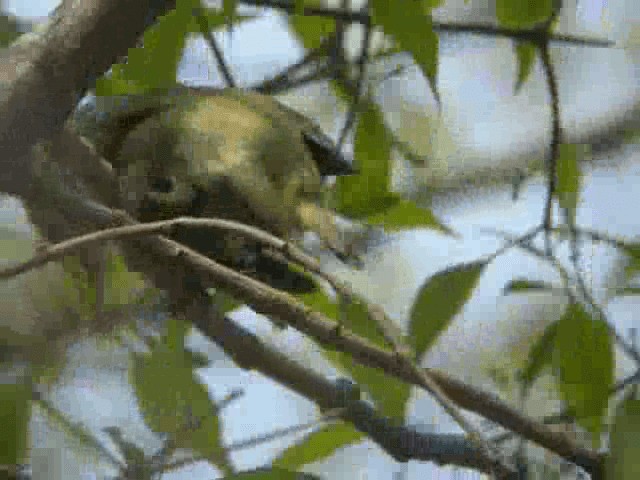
{"x":217,"y":52}
{"x":375,"y":313}
{"x":284,"y":77}
{"x":531,"y":35}
{"x":556,"y":138}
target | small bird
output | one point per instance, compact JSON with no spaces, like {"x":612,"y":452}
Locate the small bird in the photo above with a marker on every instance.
{"x":230,"y":154}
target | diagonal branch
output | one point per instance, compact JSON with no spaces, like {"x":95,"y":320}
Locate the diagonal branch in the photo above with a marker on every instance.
{"x":251,"y":354}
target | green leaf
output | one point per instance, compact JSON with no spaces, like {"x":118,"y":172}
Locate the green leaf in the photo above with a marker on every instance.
{"x":632,"y":250}
{"x":223,"y":301}
{"x":154,"y":65}
{"x":583,"y":364}
{"x":404,"y":214}
{"x":298,"y":8}
{"x":177,"y":331}
{"x":525,"y":54}
{"x":358,"y":321}
{"x":215,"y":20}
{"x":320,"y":302}
{"x":174,"y":341}
{"x":372,"y":149}
{"x":272,"y":474}
{"x":624,"y":447}
{"x":409,"y":23}
{"x":568,"y":175}
{"x":229,"y":8}
{"x":539,"y":355}
{"x":173,"y":402}
{"x":631,"y":136}
{"x":8,"y":29}
{"x":341,"y":91}
{"x":389,"y":394}
{"x":79,"y":292}
{"x":523,"y":285}
{"x":523,"y":13}
{"x":311,"y":31}
{"x":318,"y":445}
{"x":438,"y":301}
{"x":358,"y":210}
{"x":357,"y":194}
{"x":15,"y":412}
{"x":627,"y":291}
{"x":120,"y":283}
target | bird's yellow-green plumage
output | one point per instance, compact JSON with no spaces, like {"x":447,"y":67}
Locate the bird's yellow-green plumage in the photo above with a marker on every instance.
{"x":234,"y":155}
{"x":231,"y":154}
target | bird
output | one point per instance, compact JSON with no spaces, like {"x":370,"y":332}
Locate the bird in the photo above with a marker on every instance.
{"x":232,"y":154}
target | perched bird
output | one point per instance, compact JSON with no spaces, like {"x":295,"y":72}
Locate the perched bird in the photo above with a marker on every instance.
{"x":229,"y":154}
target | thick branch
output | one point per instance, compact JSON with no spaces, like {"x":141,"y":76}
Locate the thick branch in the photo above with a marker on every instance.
{"x":49,"y":71}
{"x":179,"y":262}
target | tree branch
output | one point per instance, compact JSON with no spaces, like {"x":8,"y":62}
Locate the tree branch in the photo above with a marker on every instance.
{"x":49,"y":71}
{"x":251,"y":354}
{"x":363,"y":18}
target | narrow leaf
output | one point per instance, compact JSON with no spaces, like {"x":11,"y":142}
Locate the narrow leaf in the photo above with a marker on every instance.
{"x":389,"y":394}
{"x":229,"y":8}
{"x":15,"y":412}
{"x":298,"y":7}
{"x":632,"y":250}
{"x":525,"y":55}
{"x":404,"y":214}
{"x":583,"y":364}
{"x":438,"y":301}
{"x":410,"y":24}
{"x":272,"y":474}
{"x":8,"y":30}
{"x":173,"y":402}
{"x":155,"y":64}
{"x":624,"y":446}
{"x":568,"y":175}
{"x":523,"y":13}
{"x":372,"y":147}
{"x":311,"y":31}
{"x":318,"y":445}
{"x":539,"y":355}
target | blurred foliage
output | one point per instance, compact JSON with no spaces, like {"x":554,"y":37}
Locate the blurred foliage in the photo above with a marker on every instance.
{"x":8,"y":29}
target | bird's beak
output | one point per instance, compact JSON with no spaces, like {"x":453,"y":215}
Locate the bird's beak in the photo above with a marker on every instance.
{"x":328,"y":160}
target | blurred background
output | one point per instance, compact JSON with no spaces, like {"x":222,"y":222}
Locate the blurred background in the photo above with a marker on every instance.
{"x":482,"y":126}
